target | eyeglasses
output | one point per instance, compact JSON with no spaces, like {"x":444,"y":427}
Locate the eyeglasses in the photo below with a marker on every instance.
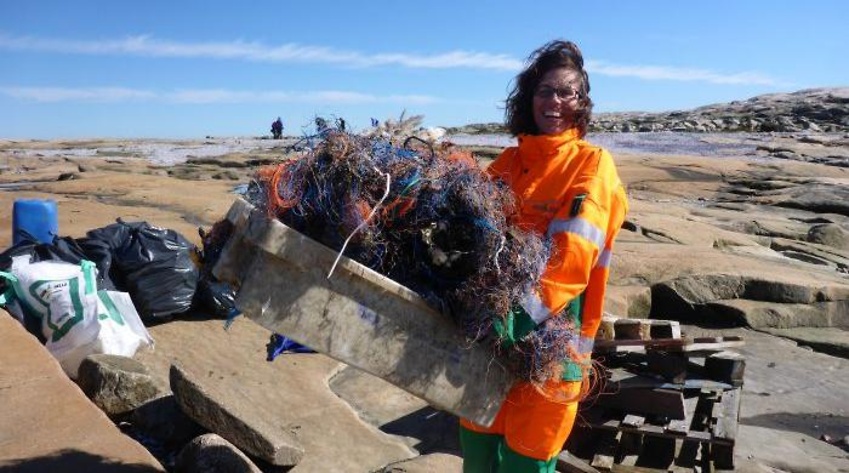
{"x":546,"y":92}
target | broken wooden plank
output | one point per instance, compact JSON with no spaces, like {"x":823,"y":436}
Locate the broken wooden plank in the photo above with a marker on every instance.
{"x":689,"y":345}
{"x":664,"y":402}
{"x":602,"y":462}
{"x":357,"y":316}
{"x":632,"y":420}
{"x":726,"y":413}
{"x":678,"y":427}
{"x":622,"y":328}
{"x":620,"y":378}
{"x":726,"y":366}
{"x":712,"y":344}
{"x":690,"y":449}
{"x":657,"y":431}
{"x":568,"y":463}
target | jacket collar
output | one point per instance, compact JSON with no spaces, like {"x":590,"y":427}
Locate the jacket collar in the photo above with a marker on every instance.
{"x":543,"y":146}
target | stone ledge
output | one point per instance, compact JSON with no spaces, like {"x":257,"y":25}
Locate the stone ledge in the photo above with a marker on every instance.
{"x":47,"y":423}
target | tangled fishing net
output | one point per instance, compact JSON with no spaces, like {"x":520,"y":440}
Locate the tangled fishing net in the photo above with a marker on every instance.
{"x":428,"y":218}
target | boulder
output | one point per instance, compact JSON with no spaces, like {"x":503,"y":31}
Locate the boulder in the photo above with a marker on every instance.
{"x":628,"y":301}
{"x":116,"y":384}
{"x":829,"y":234}
{"x":209,"y":453}
{"x":755,"y":300}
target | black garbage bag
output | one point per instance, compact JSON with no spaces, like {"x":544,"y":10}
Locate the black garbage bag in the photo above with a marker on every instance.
{"x":215,"y":297}
{"x":154,"y":265}
{"x":62,"y":249}
{"x":65,"y":249}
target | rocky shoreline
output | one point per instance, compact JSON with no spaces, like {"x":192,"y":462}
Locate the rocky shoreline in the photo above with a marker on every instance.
{"x":754,"y":245}
{"x":815,"y":110}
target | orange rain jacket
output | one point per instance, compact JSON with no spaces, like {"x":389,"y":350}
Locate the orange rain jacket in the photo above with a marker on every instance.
{"x":568,"y":190}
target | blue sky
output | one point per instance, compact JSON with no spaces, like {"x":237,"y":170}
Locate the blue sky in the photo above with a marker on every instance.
{"x":187,"y":69}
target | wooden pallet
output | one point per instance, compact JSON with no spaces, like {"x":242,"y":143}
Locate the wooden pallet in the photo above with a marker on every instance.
{"x":705,"y":437}
{"x":720,"y":425}
{"x":668,"y":403}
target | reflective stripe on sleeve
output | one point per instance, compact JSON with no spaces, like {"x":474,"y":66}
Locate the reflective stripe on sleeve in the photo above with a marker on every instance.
{"x":604,"y":259}
{"x":577,"y":226}
{"x":535,"y":308}
{"x":581,"y":346}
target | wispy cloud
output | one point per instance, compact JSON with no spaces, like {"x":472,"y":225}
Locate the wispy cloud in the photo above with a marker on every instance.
{"x":148,"y":46}
{"x":679,"y":74}
{"x":255,"y":51}
{"x":204,"y":96}
{"x":63,"y":94}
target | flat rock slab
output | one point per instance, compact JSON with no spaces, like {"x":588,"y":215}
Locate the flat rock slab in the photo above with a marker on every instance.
{"x":831,"y":340}
{"x":398,"y":412}
{"x":788,"y":402}
{"x":47,"y":423}
{"x":228,"y":412}
{"x":441,"y":462}
{"x":292,"y":391}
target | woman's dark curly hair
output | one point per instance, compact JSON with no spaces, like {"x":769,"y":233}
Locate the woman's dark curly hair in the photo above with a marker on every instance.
{"x":519,"y":114}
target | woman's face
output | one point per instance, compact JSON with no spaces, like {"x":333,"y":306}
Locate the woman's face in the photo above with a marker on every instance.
{"x":556,"y":101}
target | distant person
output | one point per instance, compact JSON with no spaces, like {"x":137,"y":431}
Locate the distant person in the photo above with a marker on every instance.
{"x":320,"y":125}
{"x":341,"y":123}
{"x":277,"y":129}
{"x":569,"y":191}
{"x":374,"y":122}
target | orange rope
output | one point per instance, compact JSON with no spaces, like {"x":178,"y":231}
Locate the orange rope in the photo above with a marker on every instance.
{"x":272,"y":175}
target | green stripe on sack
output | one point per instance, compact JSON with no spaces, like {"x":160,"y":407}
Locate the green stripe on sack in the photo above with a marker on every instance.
{"x":59,"y":331}
{"x":89,"y":275}
{"x":112,"y":312}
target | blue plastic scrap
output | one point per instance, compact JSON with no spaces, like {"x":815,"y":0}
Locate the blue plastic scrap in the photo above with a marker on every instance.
{"x":279,"y":344}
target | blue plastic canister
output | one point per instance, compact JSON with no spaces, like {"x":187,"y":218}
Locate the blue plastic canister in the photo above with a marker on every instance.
{"x":37,"y":217}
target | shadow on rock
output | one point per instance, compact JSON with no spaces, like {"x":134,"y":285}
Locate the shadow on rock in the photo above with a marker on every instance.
{"x":824,"y":426}
{"x":74,"y":460}
{"x":437,"y":431}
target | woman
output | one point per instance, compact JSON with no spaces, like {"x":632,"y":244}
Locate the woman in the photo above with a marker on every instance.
{"x":569,"y":191}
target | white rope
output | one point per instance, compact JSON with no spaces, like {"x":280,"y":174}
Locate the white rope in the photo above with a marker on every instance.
{"x":364,"y":222}
{"x":498,"y":252}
